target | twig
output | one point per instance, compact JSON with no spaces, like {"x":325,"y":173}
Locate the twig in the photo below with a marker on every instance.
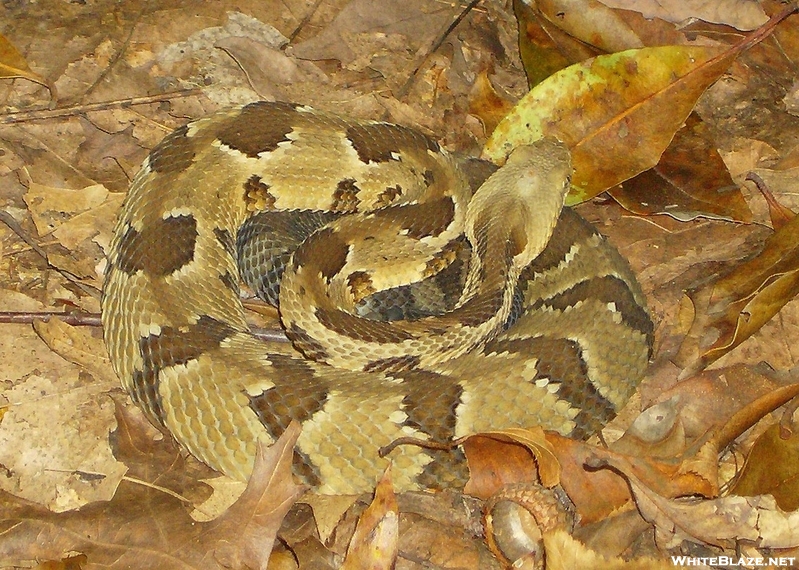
{"x":14,"y":226}
{"x":28,"y":317}
{"x":94,"y":320}
{"x":403,"y":91}
{"x":45,"y":114}
{"x":9,"y":220}
{"x":304,"y":21}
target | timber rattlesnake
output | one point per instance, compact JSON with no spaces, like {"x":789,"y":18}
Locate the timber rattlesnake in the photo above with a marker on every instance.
{"x":493,"y":333}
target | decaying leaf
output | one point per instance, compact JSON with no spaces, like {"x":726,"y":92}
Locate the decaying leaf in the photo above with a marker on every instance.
{"x":740,"y":14}
{"x":543,"y":47}
{"x":591,"y":22}
{"x":243,"y":536}
{"x":146,"y":525}
{"x":486,"y":103}
{"x":720,"y":522}
{"x":567,"y":553}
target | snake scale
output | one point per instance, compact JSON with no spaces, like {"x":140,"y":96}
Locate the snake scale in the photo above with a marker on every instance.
{"x":425,"y":295}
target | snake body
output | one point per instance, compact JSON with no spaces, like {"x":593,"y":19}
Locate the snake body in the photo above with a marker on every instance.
{"x":425,"y":295}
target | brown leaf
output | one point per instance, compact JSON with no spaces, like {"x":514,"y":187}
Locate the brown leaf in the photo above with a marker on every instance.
{"x":374,"y":544}
{"x":544,"y":48}
{"x":595,"y":494}
{"x":243,"y":536}
{"x":720,"y":522}
{"x":740,"y":14}
{"x":772,"y":468}
{"x":566,"y":553}
{"x":503,"y":457}
{"x":268,"y":68}
{"x":13,"y":65}
{"x":690,"y":180}
{"x":147,"y":525}
{"x":617,"y":113}
{"x":591,"y":22}
{"x":732,"y":308}
{"x":486,"y":104}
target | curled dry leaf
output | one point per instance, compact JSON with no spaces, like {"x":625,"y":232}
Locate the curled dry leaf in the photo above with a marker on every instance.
{"x":374,"y":544}
{"x":719,"y":522}
{"x":244,"y":535}
{"x":499,"y":458}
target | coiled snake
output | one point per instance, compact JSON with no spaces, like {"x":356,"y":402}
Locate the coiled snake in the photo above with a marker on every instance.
{"x":417,"y":304}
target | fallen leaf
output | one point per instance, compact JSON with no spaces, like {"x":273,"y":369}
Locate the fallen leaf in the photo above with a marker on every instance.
{"x":545,"y":49}
{"x":486,"y":104}
{"x":13,"y":65}
{"x":374,"y":544}
{"x":731,"y":308}
{"x":243,"y":536}
{"x":416,"y":21}
{"x":146,"y":525}
{"x":610,"y":110}
{"x":499,"y":458}
{"x":723,"y":522}
{"x":772,"y":468}
{"x":564,"y":552}
{"x":690,"y":180}
{"x":591,"y":22}
{"x":268,"y":68}
{"x":740,"y":14}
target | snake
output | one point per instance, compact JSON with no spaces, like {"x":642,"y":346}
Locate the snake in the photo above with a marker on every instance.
{"x":426,"y":294}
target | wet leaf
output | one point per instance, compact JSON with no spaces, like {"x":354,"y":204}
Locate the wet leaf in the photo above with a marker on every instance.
{"x":690,"y":180}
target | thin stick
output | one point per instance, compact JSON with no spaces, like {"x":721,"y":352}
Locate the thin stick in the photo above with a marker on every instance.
{"x":94,"y":320}
{"x":434,"y":48}
{"x":45,"y":114}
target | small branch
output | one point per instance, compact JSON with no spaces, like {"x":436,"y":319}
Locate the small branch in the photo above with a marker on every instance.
{"x":94,"y":320}
{"x":403,"y":91}
{"x":27,"y":318}
{"x":45,"y":114}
